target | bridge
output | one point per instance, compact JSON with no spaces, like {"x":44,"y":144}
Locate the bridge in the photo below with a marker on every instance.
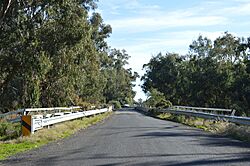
{"x":131,"y":138}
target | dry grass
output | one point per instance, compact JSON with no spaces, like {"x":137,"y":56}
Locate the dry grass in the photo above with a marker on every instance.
{"x":44,"y":136}
{"x":239,"y":132}
{"x":61,"y":130}
{"x":232,"y":130}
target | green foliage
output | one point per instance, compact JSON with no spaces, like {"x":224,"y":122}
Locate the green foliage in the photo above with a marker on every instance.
{"x":10,"y":149}
{"x":119,"y":86}
{"x":3,"y":128}
{"x":54,"y":52}
{"x":164,"y":104}
{"x":9,"y":131}
{"x":213,"y":74}
{"x":155,"y":97}
{"x":116,"y":104}
{"x":86,"y":106}
{"x":154,"y":112}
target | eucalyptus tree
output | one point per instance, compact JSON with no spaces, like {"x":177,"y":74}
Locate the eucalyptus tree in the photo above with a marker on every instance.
{"x":212,"y":74}
{"x":54,"y":53}
{"x":119,"y":79}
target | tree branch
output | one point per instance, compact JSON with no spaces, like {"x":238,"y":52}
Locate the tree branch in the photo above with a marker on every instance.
{"x":5,"y":8}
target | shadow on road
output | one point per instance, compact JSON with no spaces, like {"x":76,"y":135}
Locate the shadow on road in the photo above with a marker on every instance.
{"x":148,"y":141}
{"x":222,"y":158}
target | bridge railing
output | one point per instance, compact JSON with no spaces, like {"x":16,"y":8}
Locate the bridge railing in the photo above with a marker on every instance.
{"x":203,"y":109}
{"x":33,"y":119}
{"x":13,"y":116}
{"x":178,"y":110}
{"x":39,"y":123}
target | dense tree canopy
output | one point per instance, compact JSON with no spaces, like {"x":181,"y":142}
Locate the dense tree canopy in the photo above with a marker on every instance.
{"x":212,"y":74}
{"x":54,"y":53}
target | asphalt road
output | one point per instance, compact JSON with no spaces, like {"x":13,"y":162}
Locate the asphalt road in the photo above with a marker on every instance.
{"x":131,"y":138}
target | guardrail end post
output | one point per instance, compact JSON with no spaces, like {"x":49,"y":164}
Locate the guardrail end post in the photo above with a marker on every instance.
{"x":26,"y":122}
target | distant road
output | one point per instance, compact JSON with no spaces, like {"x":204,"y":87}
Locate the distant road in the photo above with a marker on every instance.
{"x":131,"y":138}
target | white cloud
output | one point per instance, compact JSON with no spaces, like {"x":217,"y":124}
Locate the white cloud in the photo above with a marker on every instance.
{"x":227,"y":8}
{"x":166,"y":41}
{"x":145,"y":24}
{"x":242,"y":10}
{"x":154,"y":18}
{"x":145,"y":30}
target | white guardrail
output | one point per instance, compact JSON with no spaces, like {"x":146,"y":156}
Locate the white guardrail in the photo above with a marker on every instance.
{"x":191,"y":112}
{"x":33,"y":119}
{"x":202,"y":109}
{"x":37,"y":124}
{"x":15,"y":116}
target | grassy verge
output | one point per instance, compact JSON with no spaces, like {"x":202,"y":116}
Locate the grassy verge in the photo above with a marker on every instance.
{"x":41,"y":137}
{"x":232,"y":130}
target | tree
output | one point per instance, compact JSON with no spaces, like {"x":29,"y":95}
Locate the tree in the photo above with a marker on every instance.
{"x":54,"y":53}
{"x":154,"y":97}
{"x":213,"y":74}
{"x":119,"y":86}
{"x":162,"y":73}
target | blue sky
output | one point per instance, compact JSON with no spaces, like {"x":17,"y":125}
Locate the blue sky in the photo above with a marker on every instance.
{"x":146,"y":27}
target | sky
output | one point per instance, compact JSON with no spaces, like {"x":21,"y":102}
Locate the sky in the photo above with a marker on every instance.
{"x":146,"y":27}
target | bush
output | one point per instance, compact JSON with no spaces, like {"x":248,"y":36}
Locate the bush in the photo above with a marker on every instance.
{"x":3,"y":128}
{"x":241,"y":110}
{"x":239,"y":132}
{"x":153,"y":111}
{"x":163,"y":104}
{"x":9,"y":131}
{"x":85,"y":105}
{"x":116,"y":104}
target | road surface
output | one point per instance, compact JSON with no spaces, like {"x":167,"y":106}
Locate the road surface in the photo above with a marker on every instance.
{"x":131,"y":138}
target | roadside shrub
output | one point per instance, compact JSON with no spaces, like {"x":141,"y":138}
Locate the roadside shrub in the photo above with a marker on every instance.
{"x":116,"y":104}
{"x":241,"y":110}
{"x":100,"y":106}
{"x":178,"y":118}
{"x":85,"y":105}
{"x":3,"y":128}
{"x":163,"y":104}
{"x":9,"y":131}
{"x":154,"y":111}
{"x":240,"y":132}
